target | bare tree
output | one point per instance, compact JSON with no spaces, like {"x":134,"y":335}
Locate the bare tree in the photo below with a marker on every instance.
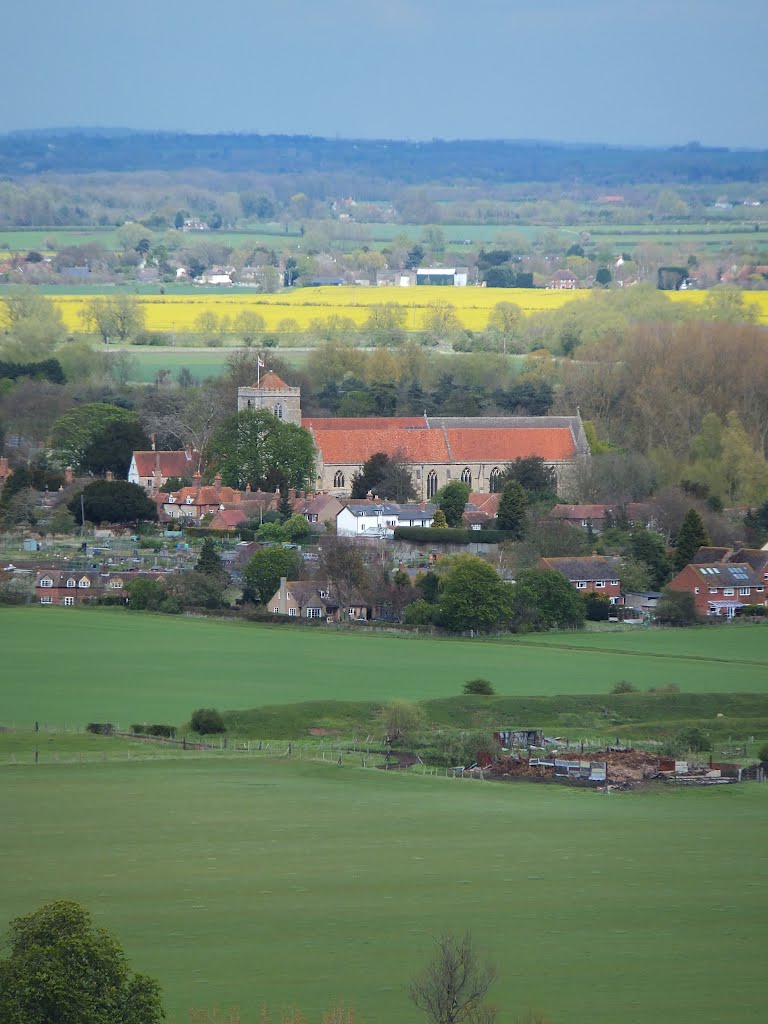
{"x":453,"y":986}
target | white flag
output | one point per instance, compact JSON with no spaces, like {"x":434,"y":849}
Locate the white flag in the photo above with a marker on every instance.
{"x":261,"y":363}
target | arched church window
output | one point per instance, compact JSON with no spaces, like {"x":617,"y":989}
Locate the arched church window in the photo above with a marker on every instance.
{"x":494,"y":478}
{"x":431,"y":483}
{"x":279,"y":410}
{"x":466,"y":476}
{"x":338,"y":479}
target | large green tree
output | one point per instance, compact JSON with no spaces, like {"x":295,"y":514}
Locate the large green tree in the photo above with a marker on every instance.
{"x":691,"y":536}
{"x":452,"y":499}
{"x":61,"y":968}
{"x":76,"y":430}
{"x":261,"y":577}
{"x":32,"y":325}
{"x":544,"y":599}
{"x":533,"y":474}
{"x":113,"y":446}
{"x":113,"y":501}
{"x":513,"y":508}
{"x":254,"y":447}
{"x":648,"y":548}
{"x":115,"y":318}
{"x":472,"y":596}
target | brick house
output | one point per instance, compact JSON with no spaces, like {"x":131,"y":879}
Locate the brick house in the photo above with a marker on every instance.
{"x":70,"y":587}
{"x":719,"y":588}
{"x":310,"y":599}
{"x":593,"y":574}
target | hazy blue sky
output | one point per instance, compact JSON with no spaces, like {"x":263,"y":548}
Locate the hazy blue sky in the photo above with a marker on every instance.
{"x":650,"y":72}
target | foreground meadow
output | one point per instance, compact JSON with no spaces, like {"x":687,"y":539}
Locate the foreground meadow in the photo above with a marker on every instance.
{"x":251,"y":883}
{"x":180,"y":313}
{"x":112,"y":665}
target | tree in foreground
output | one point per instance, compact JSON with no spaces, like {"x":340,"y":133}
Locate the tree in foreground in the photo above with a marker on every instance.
{"x":677,"y":608}
{"x":544,"y":599}
{"x":513,"y":506}
{"x":400,"y":718}
{"x":484,"y":687}
{"x":472,"y":596}
{"x":452,"y":499}
{"x":114,"y":501}
{"x":453,"y":987}
{"x":262,"y":575}
{"x":691,"y":536}
{"x":61,"y":968}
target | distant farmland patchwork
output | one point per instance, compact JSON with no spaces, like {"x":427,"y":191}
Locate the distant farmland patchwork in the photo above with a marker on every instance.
{"x":179,"y":313}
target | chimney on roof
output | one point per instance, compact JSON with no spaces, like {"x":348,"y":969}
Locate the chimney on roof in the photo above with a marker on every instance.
{"x":217,"y":483}
{"x":109,"y":476}
{"x":247,"y":488}
{"x":69,"y":475}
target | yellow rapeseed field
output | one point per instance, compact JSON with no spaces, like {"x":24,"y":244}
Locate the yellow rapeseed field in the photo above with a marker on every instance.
{"x":180,"y":313}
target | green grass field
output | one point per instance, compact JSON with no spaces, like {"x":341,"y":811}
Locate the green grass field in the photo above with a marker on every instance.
{"x":249,"y":883}
{"x":71,"y":666}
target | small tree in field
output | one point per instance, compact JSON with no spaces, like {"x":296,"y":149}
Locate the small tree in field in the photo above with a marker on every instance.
{"x":453,"y":986}
{"x":400,"y":717}
{"x":207,"y":722}
{"x":481,"y":686}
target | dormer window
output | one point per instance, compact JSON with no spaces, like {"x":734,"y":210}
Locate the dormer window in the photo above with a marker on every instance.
{"x":46,"y":582}
{"x":71,"y":583}
{"x":188,"y":499}
{"x":323,"y":593}
{"x":84,"y":582}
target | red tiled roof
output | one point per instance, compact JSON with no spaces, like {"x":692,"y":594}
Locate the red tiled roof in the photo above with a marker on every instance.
{"x":503,"y":444}
{"x":579,"y":511}
{"x":171,"y":463}
{"x":349,"y":447}
{"x":271,"y":382}
{"x":360,"y":422}
{"x":484,"y":502}
{"x":207,"y":495}
{"x":228,"y":518}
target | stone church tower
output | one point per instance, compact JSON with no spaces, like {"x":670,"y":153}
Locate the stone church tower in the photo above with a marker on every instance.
{"x":274,"y":395}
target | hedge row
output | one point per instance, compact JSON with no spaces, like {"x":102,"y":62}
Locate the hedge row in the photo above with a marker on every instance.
{"x":437,"y":535}
{"x":206,"y":531}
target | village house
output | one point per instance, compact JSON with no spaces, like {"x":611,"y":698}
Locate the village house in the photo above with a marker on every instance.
{"x":318,"y":509}
{"x":563,"y":280}
{"x":310,"y":599}
{"x":593,"y":574}
{"x":192,"y":504}
{"x":598,"y":517}
{"x":720,"y":588}
{"x":71,"y":587}
{"x":151,"y":469}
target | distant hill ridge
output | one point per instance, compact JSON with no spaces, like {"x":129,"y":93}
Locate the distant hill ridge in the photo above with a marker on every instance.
{"x":83,"y":150}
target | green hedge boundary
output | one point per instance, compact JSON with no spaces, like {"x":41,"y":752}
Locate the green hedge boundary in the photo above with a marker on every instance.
{"x":437,"y":535}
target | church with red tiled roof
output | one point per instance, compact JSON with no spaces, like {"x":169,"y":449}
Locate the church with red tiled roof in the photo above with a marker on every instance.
{"x":437,"y":449}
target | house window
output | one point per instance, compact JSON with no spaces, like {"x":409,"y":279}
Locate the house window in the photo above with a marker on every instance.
{"x":696,"y":590}
{"x":274,"y":611}
{"x":116,"y":584}
{"x":84,"y":582}
{"x":313,"y":518}
{"x":581,"y":584}
{"x":292,"y":613}
{"x":713,"y":590}
{"x":744,"y":591}
{"x":728,"y":592}
{"x":352,"y":612}
{"x":71,"y":583}
{"x":759,"y":590}
{"x":45,"y":582}
{"x":46,"y":599}
{"x":323,"y":593}
{"x":599,"y":583}
{"x":466,"y":476}
{"x":279,"y":410}
{"x":431,"y":483}
{"x":68,"y":601}
{"x":614,"y":583}
{"x":314,"y":613}
{"x":338,"y":479}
